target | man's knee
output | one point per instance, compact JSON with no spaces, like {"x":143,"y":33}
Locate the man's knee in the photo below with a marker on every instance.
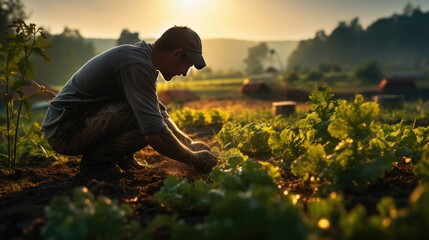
{"x":113,"y":117}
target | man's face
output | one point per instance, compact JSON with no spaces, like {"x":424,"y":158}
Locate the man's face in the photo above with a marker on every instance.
{"x":178,"y":64}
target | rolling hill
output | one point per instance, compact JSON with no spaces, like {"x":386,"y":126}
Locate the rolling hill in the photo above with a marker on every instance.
{"x":223,"y":54}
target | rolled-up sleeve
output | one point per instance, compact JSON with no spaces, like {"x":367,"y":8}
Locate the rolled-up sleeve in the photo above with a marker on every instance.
{"x":139,"y":86}
{"x":163,"y":110}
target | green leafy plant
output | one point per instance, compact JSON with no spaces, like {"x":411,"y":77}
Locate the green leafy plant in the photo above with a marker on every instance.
{"x":242,"y":200}
{"x":258,"y":213}
{"x":184,"y":196}
{"x":188,"y":117}
{"x":328,"y":218}
{"x":289,"y":144}
{"x":421,"y":169}
{"x":235,"y":173}
{"x":406,"y":141}
{"x":17,"y":73}
{"x":251,"y":139}
{"x":359,"y":155}
{"x":410,"y":222}
{"x":315,"y":123}
{"x":87,"y":217}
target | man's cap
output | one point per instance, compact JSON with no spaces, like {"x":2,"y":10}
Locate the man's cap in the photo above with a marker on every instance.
{"x":192,"y":46}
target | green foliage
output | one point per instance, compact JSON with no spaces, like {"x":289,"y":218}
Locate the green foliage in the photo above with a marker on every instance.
{"x":187,"y":117}
{"x":369,"y":72}
{"x":236,"y":172}
{"x":239,"y":173}
{"x":156,"y":229}
{"x":340,"y":145}
{"x":216,"y":116}
{"x":358,"y":157}
{"x":288,"y":144}
{"x":411,"y":222}
{"x":355,"y":120}
{"x":254,"y":59}
{"x":323,"y":215}
{"x":336,"y":146}
{"x":398,"y":41}
{"x":251,"y":139}
{"x":314,"y":76}
{"x":407,"y":142}
{"x":30,"y":144}
{"x":16,"y":74}
{"x":421,"y":169}
{"x":69,"y":52}
{"x":315,"y":123}
{"x":329,"y":218}
{"x":253,"y":214}
{"x":10,"y":10}
{"x":242,"y":199}
{"x":184,"y":196}
{"x":88,"y":218}
{"x":292,"y":77}
{"x":128,"y":37}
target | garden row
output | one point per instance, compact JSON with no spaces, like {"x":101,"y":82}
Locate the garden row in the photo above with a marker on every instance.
{"x":337,"y":147}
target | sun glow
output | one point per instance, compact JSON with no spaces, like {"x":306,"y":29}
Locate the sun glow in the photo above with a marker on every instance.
{"x":191,"y":4}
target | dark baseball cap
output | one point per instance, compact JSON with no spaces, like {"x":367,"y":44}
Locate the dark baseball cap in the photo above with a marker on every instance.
{"x":192,"y":46}
{"x":186,"y":39}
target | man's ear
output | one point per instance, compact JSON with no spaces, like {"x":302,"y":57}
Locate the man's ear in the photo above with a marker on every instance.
{"x":177,"y":52}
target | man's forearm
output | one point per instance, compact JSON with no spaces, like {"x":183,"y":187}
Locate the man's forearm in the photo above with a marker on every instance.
{"x":185,"y":139}
{"x":167,"y":144}
{"x":177,"y":132}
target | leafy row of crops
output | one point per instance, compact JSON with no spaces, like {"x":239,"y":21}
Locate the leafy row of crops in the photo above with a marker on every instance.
{"x":338,"y":146}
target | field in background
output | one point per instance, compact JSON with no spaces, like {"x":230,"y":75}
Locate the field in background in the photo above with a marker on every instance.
{"x":229,"y":88}
{"x":341,"y":83}
{"x":206,"y":89}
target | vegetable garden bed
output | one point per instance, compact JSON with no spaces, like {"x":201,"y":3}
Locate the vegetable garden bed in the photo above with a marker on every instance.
{"x":335,"y":172}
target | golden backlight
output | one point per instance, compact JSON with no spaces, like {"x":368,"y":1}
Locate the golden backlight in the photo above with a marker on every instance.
{"x":189,"y":4}
{"x":239,"y":19}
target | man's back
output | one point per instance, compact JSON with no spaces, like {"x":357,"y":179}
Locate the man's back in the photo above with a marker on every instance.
{"x":125,"y":73}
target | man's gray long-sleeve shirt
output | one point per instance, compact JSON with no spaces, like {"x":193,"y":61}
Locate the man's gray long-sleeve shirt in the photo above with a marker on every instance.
{"x":124,"y":72}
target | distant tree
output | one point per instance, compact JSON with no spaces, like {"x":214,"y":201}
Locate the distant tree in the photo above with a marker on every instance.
{"x":369,"y":72}
{"x":292,"y":77}
{"x":10,"y":10}
{"x":409,"y":10}
{"x":68,"y":53}
{"x":202,"y":74}
{"x":324,"y":68}
{"x":398,"y":41}
{"x":128,"y":37}
{"x":321,"y":35}
{"x":314,"y":76}
{"x":254,"y":58}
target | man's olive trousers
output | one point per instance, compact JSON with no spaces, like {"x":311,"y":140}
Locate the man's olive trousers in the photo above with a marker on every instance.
{"x":102,"y":134}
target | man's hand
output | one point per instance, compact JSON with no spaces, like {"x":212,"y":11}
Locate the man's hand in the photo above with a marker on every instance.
{"x":168,"y":145}
{"x":198,"y":146}
{"x":204,"y":161}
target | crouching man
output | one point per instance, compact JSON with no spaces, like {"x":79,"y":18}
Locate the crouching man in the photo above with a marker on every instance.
{"x":109,"y":108}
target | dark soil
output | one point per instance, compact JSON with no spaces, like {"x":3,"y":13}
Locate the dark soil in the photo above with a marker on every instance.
{"x":25,"y":191}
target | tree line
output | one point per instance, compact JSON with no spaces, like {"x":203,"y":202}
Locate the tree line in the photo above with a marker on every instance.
{"x":399,"y":41}
{"x":69,"y":52}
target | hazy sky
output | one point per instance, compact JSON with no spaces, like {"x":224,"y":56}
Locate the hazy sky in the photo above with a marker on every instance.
{"x":241,"y":19}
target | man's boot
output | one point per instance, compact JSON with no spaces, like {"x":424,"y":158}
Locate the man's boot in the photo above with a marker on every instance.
{"x":99,"y":169}
{"x":130,"y":163}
